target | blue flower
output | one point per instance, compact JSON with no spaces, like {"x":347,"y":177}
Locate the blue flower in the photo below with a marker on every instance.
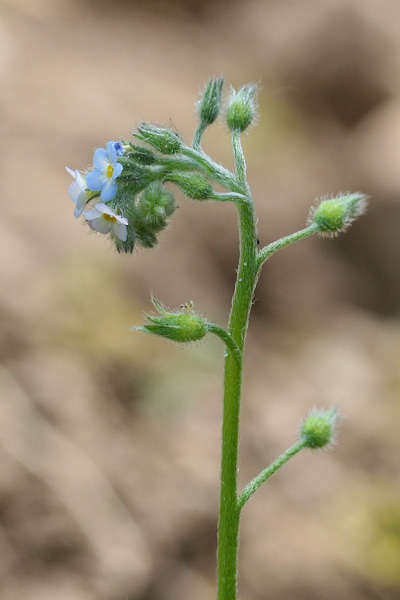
{"x":107,"y":169}
{"x":78,"y":192}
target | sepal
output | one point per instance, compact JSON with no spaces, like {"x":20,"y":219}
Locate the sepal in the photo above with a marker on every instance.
{"x":241,"y":109}
{"x":182,"y":326}
{"x":318,"y":428}
{"x":162,"y":139}
{"x":334,"y":215}
{"x":209,"y":103}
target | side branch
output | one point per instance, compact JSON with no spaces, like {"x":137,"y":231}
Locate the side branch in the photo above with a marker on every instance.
{"x":257,"y":482}
{"x":226,"y":338}
{"x":228,"y":197}
{"x":216,"y":172}
{"x":266,"y":252}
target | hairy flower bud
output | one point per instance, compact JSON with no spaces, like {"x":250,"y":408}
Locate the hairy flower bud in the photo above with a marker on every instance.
{"x":318,"y":428}
{"x":162,"y":139}
{"x":241,"y":108}
{"x":209,"y":103}
{"x":183,"y":326}
{"x":192,"y":185}
{"x":334,"y":215}
{"x":154,"y":205}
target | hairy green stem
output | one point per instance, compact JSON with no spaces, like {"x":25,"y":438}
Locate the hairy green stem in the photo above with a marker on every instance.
{"x":213,"y":170}
{"x":239,"y":159}
{"x":226,"y":338}
{"x":228,"y":528}
{"x":262,"y":477}
{"x":269,"y":250}
{"x":198,"y":135}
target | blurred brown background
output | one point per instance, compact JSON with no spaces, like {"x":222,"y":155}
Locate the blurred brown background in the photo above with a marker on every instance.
{"x":109,"y":440}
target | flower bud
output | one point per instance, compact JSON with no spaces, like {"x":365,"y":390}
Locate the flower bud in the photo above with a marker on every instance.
{"x":162,"y":139}
{"x":183,"y":326}
{"x":155,"y":204}
{"x":318,"y":428}
{"x":192,"y":185}
{"x":209,"y":103}
{"x":334,"y":215}
{"x":241,"y":108}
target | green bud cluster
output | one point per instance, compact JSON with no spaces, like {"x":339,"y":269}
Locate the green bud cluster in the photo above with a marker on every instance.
{"x":318,"y":429}
{"x":147,"y":215}
{"x":209,"y":104}
{"x":241,"y":109}
{"x":181,"y":326}
{"x":162,"y":139}
{"x":334,"y":215}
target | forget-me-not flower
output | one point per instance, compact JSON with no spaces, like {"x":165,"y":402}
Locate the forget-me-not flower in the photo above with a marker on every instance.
{"x":106,"y":171}
{"x":77,"y":192}
{"x":103,"y":219}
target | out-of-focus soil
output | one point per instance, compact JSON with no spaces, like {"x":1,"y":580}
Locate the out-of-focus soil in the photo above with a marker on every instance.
{"x":109,"y":441}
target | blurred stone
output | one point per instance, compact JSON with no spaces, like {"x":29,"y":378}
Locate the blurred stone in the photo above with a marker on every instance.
{"x":339,"y":67}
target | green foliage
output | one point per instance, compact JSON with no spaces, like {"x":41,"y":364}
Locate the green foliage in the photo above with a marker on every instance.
{"x":139,"y":207}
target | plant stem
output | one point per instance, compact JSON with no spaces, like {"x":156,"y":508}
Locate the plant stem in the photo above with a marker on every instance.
{"x":239,"y":158}
{"x":226,"y":338}
{"x":262,"y":477}
{"x":269,"y":250}
{"x":228,"y":529}
{"x":196,"y":143}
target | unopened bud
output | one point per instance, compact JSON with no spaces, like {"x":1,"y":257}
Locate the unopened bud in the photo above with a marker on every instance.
{"x":162,"y":139}
{"x":209,"y":103}
{"x":334,"y":215}
{"x":318,"y":428}
{"x":182,"y":326}
{"x":154,"y":205}
{"x":241,"y":108}
{"x":192,"y":185}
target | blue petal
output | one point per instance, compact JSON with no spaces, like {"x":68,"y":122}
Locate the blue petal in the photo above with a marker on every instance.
{"x":100,"y":159}
{"x":109,"y":190}
{"x":112,"y":153}
{"x":95,"y":180}
{"x":117,"y":170}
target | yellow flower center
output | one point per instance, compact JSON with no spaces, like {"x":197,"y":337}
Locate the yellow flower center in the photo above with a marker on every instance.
{"x":109,"y":218}
{"x":110,"y":171}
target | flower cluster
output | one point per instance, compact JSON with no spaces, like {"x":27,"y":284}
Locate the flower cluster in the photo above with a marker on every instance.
{"x":122,"y":198}
{"x":100,"y":182}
